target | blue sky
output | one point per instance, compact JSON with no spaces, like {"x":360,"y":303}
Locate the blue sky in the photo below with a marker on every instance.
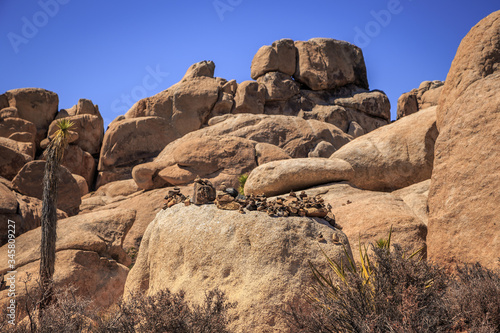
{"x":114,"y":52}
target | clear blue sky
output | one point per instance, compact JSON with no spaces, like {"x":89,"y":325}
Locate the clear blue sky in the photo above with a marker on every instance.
{"x":105,"y":50}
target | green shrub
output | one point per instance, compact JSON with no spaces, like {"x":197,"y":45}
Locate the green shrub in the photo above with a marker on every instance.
{"x":242,"y":180}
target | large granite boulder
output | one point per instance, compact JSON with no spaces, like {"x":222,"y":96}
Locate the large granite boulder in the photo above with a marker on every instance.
{"x":368,"y":216}
{"x":19,"y":130}
{"x":280,"y":177}
{"x":280,"y":56}
{"x":259,"y":261}
{"x":11,"y":159}
{"x":90,"y":129}
{"x":228,"y":148}
{"x":324,"y":63}
{"x":463,"y":198}
{"x":38,"y":106}
{"x":29,"y":181}
{"x":425,"y":96}
{"x":132,"y":141}
{"x":89,"y":257}
{"x":394,"y":156}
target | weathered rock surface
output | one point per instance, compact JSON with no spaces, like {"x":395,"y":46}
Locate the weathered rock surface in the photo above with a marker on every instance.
{"x":29,"y":181}
{"x":90,"y":129}
{"x":367,"y":216}
{"x":131,"y":141}
{"x":11,"y":160}
{"x":122,"y":197}
{"x":239,"y":253}
{"x":232,"y":150}
{"x":280,"y":56}
{"x":297,"y":137}
{"x":250,"y":98}
{"x":26,"y":148}
{"x":464,"y":196}
{"x":283,"y":176}
{"x":38,"y":106}
{"x":415,"y":196}
{"x":187,"y":104}
{"x":215,"y":156}
{"x":324,"y":63}
{"x":394,"y":156}
{"x":19,"y":130}
{"x":84,"y":106}
{"x":89,"y":255}
{"x":80,"y":163}
{"x":425,"y":96}
{"x":278,"y":86}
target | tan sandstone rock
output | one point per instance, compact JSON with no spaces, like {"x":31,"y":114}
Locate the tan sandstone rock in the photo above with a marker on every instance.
{"x":11,"y":160}
{"x":29,"y":181}
{"x":190,"y":156}
{"x":325,"y":63}
{"x":394,"y":156}
{"x":280,"y":56}
{"x":19,"y":130}
{"x":297,"y":137}
{"x":250,"y":98}
{"x":283,"y":176}
{"x":279,"y":86}
{"x":258,"y":261}
{"x":38,"y":106}
{"x":425,"y":96}
{"x":90,"y":129}
{"x":367,"y":216}
{"x":464,"y":197}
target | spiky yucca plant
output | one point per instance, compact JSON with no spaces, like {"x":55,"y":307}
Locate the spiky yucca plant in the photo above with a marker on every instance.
{"x":242,"y":179}
{"x":53,"y":155}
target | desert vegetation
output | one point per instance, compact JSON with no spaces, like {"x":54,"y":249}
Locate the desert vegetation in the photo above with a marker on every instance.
{"x":390,"y":291}
{"x":163,"y":312}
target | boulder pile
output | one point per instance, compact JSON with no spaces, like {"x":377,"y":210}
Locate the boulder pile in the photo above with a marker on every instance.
{"x":323,"y":161}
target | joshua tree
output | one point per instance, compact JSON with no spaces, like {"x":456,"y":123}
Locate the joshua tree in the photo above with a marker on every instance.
{"x":53,"y":155}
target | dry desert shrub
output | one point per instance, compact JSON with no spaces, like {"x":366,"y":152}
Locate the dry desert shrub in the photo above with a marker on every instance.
{"x":390,"y":292}
{"x":164,"y":312}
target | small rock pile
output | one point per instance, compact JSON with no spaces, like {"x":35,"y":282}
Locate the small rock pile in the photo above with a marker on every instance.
{"x":227,"y":198}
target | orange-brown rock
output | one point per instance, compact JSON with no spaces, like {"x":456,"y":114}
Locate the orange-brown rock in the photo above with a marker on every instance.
{"x":19,"y":130}
{"x":464,"y":197}
{"x":280,"y":56}
{"x":38,"y":106}
{"x":425,"y":96}
{"x":90,"y":129}
{"x":192,"y":155}
{"x":367,"y":216}
{"x":89,"y":255}
{"x":393,"y":156}
{"x":296,"y":136}
{"x":283,"y":176}
{"x":11,"y":160}
{"x":250,"y":98}
{"x":29,"y":181}
{"x":324,"y":63}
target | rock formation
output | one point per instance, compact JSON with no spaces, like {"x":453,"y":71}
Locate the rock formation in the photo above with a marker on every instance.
{"x":335,"y":92}
{"x":464,"y":193}
{"x":258,"y":261}
{"x":425,"y":96}
{"x":89,"y":255}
